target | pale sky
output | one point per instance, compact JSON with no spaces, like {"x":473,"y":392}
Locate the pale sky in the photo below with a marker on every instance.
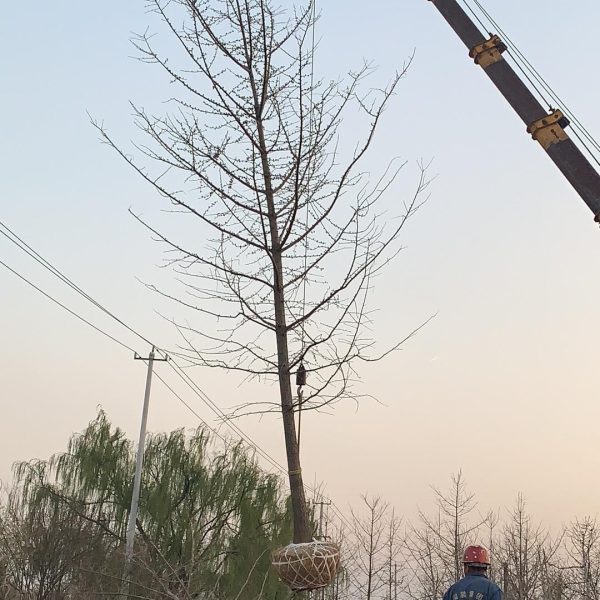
{"x":502,"y":383}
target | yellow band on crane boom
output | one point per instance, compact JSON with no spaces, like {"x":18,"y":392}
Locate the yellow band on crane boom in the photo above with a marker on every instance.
{"x":550,"y":129}
{"x":489,"y":52}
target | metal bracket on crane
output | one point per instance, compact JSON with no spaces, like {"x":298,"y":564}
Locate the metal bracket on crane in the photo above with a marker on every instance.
{"x":549,"y":130}
{"x":489,"y":52}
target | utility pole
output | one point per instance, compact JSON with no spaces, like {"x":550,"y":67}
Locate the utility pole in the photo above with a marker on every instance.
{"x":505,"y":582}
{"x":137,"y":480}
{"x":321,"y":504}
{"x":321,"y":536}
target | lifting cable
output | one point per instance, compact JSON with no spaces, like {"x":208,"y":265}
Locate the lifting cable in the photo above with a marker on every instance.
{"x":301,"y":373}
{"x":520,"y":56}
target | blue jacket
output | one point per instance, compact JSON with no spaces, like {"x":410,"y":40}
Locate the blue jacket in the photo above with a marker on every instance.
{"x":474,"y":587}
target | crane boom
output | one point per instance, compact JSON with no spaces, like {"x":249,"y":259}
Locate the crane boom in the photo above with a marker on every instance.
{"x":547,"y":128}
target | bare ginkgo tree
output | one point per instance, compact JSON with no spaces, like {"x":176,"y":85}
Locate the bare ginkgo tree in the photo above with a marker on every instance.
{"x":527,"y":550}
{"x":375,"y":544}
{"x":582,"y":571}
{"x":434,"y":546}
{"x":290,"y":230}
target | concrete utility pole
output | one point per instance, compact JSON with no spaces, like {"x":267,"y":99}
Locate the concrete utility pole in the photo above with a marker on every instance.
{"x":137,"y":480}
{"x":505,"y":581}
{"x":321,"y":503}
{"x":321,"y":535}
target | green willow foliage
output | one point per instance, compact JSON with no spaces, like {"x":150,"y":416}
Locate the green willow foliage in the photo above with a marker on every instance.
{"x":208,"y":519}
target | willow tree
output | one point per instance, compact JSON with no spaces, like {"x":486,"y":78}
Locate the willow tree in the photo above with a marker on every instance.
{"x":208,"y":516}
{"x":289,"y":227}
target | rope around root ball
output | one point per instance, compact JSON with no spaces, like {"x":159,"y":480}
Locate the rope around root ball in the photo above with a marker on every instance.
{"x":308,"y":566}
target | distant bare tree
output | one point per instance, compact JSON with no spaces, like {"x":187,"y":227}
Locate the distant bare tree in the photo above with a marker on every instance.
{"x":4,"y":550}
{"x":582,"y":569}
{"x":395,"y":576}
{"x":436,"y":544}
{"x":492,"y":521}
{"x":428,"y":577}
{"x":289,"y":232}
{"x":44,"y":545}
{"x":527,"y":550}
{"x":374,"y":548}
{"x":553,"y":585}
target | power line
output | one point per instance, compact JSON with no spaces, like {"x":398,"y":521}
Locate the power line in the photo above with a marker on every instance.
{"x":72,"y":312}
{"x":178,"y":370}
{"x":222,"y":416}
{"x":25,"y":247}
{"x":21,"y":244}
{"x":215,"y":408}
{"x":109,"y":336}
{"x":265,"y":455}
{"x":190,"y":408}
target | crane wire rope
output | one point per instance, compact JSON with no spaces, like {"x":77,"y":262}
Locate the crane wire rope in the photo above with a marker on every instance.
{"x":523,"y":70}
{"x":529,"y":71}
{"x":539,"y":77}
{"x":301,"y":368}
{"x":475,"y":16}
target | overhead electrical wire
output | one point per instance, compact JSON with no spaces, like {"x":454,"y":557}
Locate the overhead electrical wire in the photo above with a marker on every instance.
{"x":63,"y":306}
{"x":10,"y":234}
{"x":190,"y":408}
{"x":240,"y":432}
{"x":178,"y":370}
{"x":20,"y":243}
{"x":99,"y":330}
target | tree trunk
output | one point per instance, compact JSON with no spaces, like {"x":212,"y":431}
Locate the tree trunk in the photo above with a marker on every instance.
{"x":302,"y":530}
{"x":300,"y":512}
{"x":299,"y":509}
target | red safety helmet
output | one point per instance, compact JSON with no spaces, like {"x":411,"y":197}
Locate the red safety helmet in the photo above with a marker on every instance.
{"x":476,"y":556}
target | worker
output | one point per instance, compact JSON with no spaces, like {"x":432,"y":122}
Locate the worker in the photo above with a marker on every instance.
{"x":475,"y":585}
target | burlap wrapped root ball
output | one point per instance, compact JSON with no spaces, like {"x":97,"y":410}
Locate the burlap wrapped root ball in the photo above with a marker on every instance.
{"x":308,"y":566}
